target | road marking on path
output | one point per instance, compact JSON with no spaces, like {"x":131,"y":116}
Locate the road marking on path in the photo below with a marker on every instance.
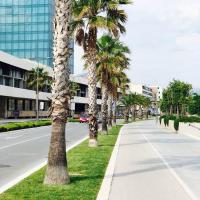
{"x":24,"y":141}
{"x":180,"y":181}
{"x":36,"y":168}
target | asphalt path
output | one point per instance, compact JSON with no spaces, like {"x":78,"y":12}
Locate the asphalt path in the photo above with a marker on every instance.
{"x":154,"y":163}
{"x":22,"y":150}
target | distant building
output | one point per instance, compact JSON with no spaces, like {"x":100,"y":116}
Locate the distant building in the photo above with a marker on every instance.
{"x":196,"y":91}
{"x":157,"y":96}
{"x":16,"y":100}
{"x":141,"y":89}
{"x":26,"y":30}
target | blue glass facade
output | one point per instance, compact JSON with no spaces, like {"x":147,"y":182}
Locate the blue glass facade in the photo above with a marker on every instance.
{"x":26,"y":29}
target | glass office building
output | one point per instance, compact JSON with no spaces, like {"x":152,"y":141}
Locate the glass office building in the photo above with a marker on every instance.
{"x":26,"y":30}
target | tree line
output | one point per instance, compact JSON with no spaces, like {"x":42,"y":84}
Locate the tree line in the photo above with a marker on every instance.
{"x":179,"y":100}
{"x":106,"y":60}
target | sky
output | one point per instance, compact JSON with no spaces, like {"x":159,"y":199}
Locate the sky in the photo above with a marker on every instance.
{"x":164,"y":39}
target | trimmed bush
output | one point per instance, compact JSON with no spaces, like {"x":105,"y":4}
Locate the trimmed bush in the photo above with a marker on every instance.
{"x":166,"y":121}
{"x":23,"y":125}
{"x":172,"y":117}
{"x":176,"y":124}
{"x":73,"y":120}
{"x":160,"y":119}
{"x":191,"y":119}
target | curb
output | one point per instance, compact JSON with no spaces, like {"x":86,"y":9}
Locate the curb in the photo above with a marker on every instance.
{"x":36,"y":168}
{"x":104,"y":191}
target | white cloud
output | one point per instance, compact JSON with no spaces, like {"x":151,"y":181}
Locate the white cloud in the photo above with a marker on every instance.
{"x":189,"y":42}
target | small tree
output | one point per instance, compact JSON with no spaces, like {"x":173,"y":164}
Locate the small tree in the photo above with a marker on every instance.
{"x":37,"y":79}
{"x":194,"y":106}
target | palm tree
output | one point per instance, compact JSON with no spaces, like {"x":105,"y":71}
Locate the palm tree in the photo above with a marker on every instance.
{"x":146,"y":105}
{"x":89,"y":17}
{"x":37,"y":79}
{"x":110,"y":62}
{"x":135,"y":101}
{"x":73,"y":88}
{"x":57,"y":172}
{"x":119,"y":82}
{"x":127,"y":102}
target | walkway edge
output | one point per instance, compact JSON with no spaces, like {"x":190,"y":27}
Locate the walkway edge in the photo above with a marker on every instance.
{"x":36,"y":168}
{"x":104,"y":191}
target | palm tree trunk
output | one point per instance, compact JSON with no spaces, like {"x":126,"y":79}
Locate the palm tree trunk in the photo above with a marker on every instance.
{"x":92,"y":83}
{"x":126,"y":115}
{"x":109,"y":110}
{"x":114,"y":111}
{"x":133,"y":113}
{"x":56,"y":172}
{"x":104,"y":108}
{"x":93,"y":125}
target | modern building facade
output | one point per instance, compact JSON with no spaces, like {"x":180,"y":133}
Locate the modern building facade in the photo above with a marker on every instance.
{"x":26,"y":30}
{"x":141,"y":89}
{"x":157,"y":96}
{"x":16,"y":100}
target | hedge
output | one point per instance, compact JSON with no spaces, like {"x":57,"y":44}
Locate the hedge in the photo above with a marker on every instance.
{"x":23,"y":125}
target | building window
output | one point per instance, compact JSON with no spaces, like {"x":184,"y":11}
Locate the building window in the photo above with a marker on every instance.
{"x":27,"y":105}
{"x":19,"y":104}
{"x":17,"y":83}
{"x":11,"y":104}
{"x":1,"y":80}
{"x":8,"y":81}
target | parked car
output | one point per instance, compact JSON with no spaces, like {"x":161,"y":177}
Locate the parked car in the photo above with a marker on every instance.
{"x":84,"y":119}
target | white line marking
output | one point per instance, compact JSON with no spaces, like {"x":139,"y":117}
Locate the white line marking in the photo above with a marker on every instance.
{"x":36,"y":168}
{"x":11,"y":145}
{"x":180,"y":181}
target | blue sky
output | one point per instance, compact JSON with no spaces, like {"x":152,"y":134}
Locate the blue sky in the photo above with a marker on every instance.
{"x":164,"y":38}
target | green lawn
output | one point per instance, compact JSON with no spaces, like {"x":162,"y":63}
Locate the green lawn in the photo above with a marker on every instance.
{"x":86,"y":167}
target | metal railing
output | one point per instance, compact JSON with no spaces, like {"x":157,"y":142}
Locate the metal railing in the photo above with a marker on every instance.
{"x":194,"y":127}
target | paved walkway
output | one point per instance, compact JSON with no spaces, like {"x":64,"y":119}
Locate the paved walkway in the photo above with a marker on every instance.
{"x":155,"y":164}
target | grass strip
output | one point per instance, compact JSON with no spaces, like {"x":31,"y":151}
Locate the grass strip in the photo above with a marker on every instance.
{"x":87,"y":167}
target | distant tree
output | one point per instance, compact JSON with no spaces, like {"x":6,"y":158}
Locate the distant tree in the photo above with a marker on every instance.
{"x":37,"y":79}
{"x":194,"y":106}
{"x":176,"y":98}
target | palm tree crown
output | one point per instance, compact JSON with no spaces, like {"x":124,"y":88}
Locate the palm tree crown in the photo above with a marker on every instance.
{"x":37,"y":76}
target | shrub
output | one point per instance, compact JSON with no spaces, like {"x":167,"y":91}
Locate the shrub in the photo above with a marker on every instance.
{"x":166,"y":121}
{"x":73,"y":120}
{"x":22,"y":125}
{"x":176,"y":124}
{"x":191,"y":119}
{"x":160,"y":119}
{"x":172,"y":117}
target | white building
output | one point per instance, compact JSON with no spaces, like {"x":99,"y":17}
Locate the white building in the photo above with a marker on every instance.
{"x":141,"y":89}
{"x":18,"y":101}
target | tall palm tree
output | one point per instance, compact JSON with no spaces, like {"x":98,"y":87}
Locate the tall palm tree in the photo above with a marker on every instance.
{"x":127,"y":102}
{"x":73,"y":88}
{"x":119,"y":82}
{"x":89,"y":17}
{"x":110,"y":62}
{"x":135,"y":101}
{"x":56,"y":172}
{"x":37,"y":79}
